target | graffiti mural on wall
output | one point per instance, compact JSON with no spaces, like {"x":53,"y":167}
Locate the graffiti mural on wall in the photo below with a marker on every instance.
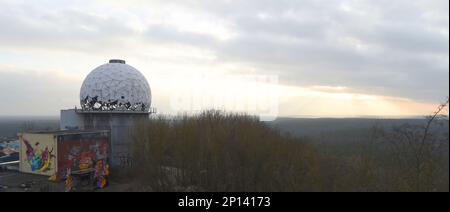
{"x":101,"y":173}
{"x":39,"y":159}
{"x":86,"y":155}
{"x":9,"y":151}
{"x":80,"y":155}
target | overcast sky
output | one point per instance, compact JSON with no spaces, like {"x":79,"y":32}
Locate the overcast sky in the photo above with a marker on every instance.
{"x":332,"y":57}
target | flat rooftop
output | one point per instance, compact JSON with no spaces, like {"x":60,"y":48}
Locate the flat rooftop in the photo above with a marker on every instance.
{"x":111,"y":112}
{"x":150,"y":111}
{"x":66,"y":132}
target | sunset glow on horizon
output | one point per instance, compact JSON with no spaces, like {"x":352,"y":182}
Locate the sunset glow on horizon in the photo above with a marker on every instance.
{"x":348,"y":59}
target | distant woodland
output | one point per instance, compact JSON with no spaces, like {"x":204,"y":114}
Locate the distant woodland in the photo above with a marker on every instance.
{"x":217,"y":151}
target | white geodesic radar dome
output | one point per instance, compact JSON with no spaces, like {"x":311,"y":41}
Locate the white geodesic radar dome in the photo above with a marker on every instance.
{"x":115,"y":86}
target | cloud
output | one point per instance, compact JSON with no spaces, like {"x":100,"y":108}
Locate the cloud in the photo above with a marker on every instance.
{"x":27,"y":92}
{"x":388,"y":48}
{"x":62,"y":28}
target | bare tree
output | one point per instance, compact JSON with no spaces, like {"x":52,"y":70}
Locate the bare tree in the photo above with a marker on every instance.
{"x":418,"y":150}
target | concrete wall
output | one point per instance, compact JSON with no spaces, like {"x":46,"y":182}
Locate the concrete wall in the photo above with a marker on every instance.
{"x":38,"y":154}
{"x":120,"y":126}
{"x":80,"y":151}
{"x":71,"y":120}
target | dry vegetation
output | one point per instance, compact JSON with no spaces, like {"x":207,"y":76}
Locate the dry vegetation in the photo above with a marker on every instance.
{"x":217,"y":151}
{"x":221,"y":152}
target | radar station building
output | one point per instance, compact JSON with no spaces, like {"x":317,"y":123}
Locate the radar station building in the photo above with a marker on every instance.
{"x":113,"y":97}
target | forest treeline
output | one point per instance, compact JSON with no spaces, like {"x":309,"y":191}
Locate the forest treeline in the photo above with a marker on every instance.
{"x":218,"y":151}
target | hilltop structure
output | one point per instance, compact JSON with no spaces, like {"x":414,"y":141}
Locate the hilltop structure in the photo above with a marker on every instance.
{"x":115,"y":97}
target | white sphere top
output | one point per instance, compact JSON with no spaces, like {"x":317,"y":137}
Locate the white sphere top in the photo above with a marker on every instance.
{"x":115,"y":86}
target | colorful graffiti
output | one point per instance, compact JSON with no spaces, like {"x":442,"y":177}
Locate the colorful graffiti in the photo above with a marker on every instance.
{"x":68,"y":183}
{"x":40,"y":160}
{"x":101,"y":173}
{"x":84,"y":157}
{"x":9,"y":151}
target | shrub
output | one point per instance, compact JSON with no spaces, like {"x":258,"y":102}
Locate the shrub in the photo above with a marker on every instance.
{"x":217,"y":151}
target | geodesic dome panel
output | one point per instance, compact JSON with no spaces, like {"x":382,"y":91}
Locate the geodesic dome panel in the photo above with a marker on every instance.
{"x":115,"y":86}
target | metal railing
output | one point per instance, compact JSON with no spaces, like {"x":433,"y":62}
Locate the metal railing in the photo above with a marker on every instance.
{"x":9,"y":163}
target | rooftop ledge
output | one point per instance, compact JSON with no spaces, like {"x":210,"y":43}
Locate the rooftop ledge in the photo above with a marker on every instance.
{"x":151,"y":111}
